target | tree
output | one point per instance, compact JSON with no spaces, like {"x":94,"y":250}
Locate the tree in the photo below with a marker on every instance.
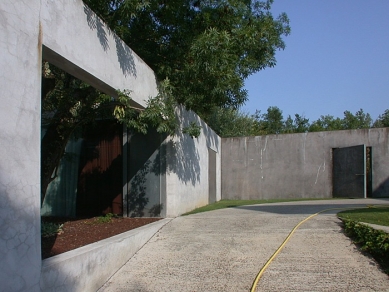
{"x":272,"y":121}
{"x":230,"y":122}
{"x":301,"y":124}
{"x":382,"y":120}
{"x":326,"y":123}
{"x":200,"y":50}
{"x":206,"y":48}
{"x":358,"y":121}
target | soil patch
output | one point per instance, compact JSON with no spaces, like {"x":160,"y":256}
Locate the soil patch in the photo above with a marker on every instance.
{"x":80,"y":232}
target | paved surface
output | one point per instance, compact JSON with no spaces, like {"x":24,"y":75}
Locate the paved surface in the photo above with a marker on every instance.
{"x":224,"y":250}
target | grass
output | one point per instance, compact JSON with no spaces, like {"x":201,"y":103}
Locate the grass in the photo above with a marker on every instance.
{"x":236,"y":203}
{"x":374,"y":215}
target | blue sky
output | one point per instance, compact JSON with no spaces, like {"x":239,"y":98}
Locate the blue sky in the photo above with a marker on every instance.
{"x":336,"y":59}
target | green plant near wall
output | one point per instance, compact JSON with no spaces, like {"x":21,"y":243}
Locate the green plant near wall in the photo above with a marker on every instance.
{"x":50,"y":229}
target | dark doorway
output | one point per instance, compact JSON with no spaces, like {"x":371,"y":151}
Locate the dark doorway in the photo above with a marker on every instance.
{"x":211,"y":176}
{"x":349,"y":172}
{"x":100,"y":173}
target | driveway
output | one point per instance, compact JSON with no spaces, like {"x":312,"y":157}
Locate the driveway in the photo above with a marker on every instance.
{"x":224,"y":250}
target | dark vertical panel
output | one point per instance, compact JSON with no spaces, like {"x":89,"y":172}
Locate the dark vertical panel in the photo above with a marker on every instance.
{"x":100,"y":179}
{"x":141,"y":148}
{"x":349,"y":172}
{"x":211,"y":176}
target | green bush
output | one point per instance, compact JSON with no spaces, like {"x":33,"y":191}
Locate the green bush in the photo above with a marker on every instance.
{"x":375,"y":242}
{"x":50,"y":229}
{"x":106,"y":218}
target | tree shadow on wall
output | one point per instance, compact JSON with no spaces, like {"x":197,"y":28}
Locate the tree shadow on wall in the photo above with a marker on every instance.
{"x":124,"y":53}
{"x":137,"y":200}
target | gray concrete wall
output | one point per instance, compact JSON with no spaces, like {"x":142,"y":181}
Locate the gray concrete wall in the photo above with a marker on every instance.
{"x":296,"y":165}
{"x":20,"y":79}
{"x":186,"y":178}
{"x":71,"y":37}
{"x":79,"y":42}
{"x":175,"y":175}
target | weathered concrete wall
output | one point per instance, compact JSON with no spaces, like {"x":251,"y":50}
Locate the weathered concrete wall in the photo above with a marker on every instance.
{"x":20,"y":79}
{"x":186,"y":175}
{"x":79,"y":42}
{"x":173,"y":178}
{"x":71,"y":37}
{"x":296,"y":165}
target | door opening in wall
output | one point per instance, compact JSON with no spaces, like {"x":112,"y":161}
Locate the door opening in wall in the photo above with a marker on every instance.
{"x":211,"y":176}
{"x":352,"y":172}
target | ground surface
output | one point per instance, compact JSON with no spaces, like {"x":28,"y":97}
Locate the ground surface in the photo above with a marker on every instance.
{"x":224,"y":250}
{"x":80,"y":232}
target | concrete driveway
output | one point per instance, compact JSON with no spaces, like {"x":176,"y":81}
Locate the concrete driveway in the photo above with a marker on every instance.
{"x":224,"y":250}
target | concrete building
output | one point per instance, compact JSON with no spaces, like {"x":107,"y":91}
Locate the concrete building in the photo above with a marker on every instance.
{"x":167,"y":175}
{"x":306,"y":165}
{"x":70,"y":36}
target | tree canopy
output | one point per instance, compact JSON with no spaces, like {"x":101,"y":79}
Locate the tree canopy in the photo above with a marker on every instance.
{"x":234,"y":123}
{"x":206,"y":48}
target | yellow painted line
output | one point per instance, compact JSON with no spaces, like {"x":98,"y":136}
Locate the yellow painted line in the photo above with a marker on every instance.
{"x":259,"y":275}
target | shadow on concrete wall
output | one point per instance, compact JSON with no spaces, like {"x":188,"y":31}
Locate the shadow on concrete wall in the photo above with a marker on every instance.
{"x":382,"y":191}
{"x":124,"y":53}
{"x":19,"y":235}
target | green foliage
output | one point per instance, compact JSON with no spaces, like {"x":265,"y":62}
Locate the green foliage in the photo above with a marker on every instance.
{"x":375,"y":242}
{"x":383,"y":120}
{"x":373,"y":214}
{"x":272,"y":121}
{"x":50,"y":229}
{"x":159,"y":112}
{"x":106,"y":218}
{"x":229,"y":122}
{"x":193,"y":130}
{"x":358,"y":121}
{"x":205,"y":48}
{"x":326,"y":123}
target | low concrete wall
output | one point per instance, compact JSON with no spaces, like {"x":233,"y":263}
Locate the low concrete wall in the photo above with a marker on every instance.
{"x":89,"y":267}
{"x":296,"y":165}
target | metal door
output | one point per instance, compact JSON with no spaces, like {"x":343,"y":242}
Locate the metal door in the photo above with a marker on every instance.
{"x":349,"y":172}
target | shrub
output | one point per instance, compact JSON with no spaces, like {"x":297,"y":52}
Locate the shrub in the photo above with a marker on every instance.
{"x":375,"y":242}
{"x":50,"y":229}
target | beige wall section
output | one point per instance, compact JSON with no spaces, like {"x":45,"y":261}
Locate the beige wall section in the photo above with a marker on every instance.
{"x":296,"y":165}
{"x":77,"y":40}
{"x":187,"y":167}
{"x":20,"y":80}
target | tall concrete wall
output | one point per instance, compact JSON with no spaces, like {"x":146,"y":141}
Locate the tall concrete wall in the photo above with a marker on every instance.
{"x":20,"y":79}
{"x":187,"y":178}
{"x":67,"y":34}
{"x":73,"y":38}
{"x":174,"y":177}
{"x":296,"y":165}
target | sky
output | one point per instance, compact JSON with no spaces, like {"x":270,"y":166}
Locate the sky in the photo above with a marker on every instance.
{"x":336,"y":59}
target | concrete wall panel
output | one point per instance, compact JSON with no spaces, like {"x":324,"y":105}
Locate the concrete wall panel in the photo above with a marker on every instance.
{"x":296,"y":165}
{"x":186,"y":175}
{"x":20,"y":145}
{"x":79,"y":42}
